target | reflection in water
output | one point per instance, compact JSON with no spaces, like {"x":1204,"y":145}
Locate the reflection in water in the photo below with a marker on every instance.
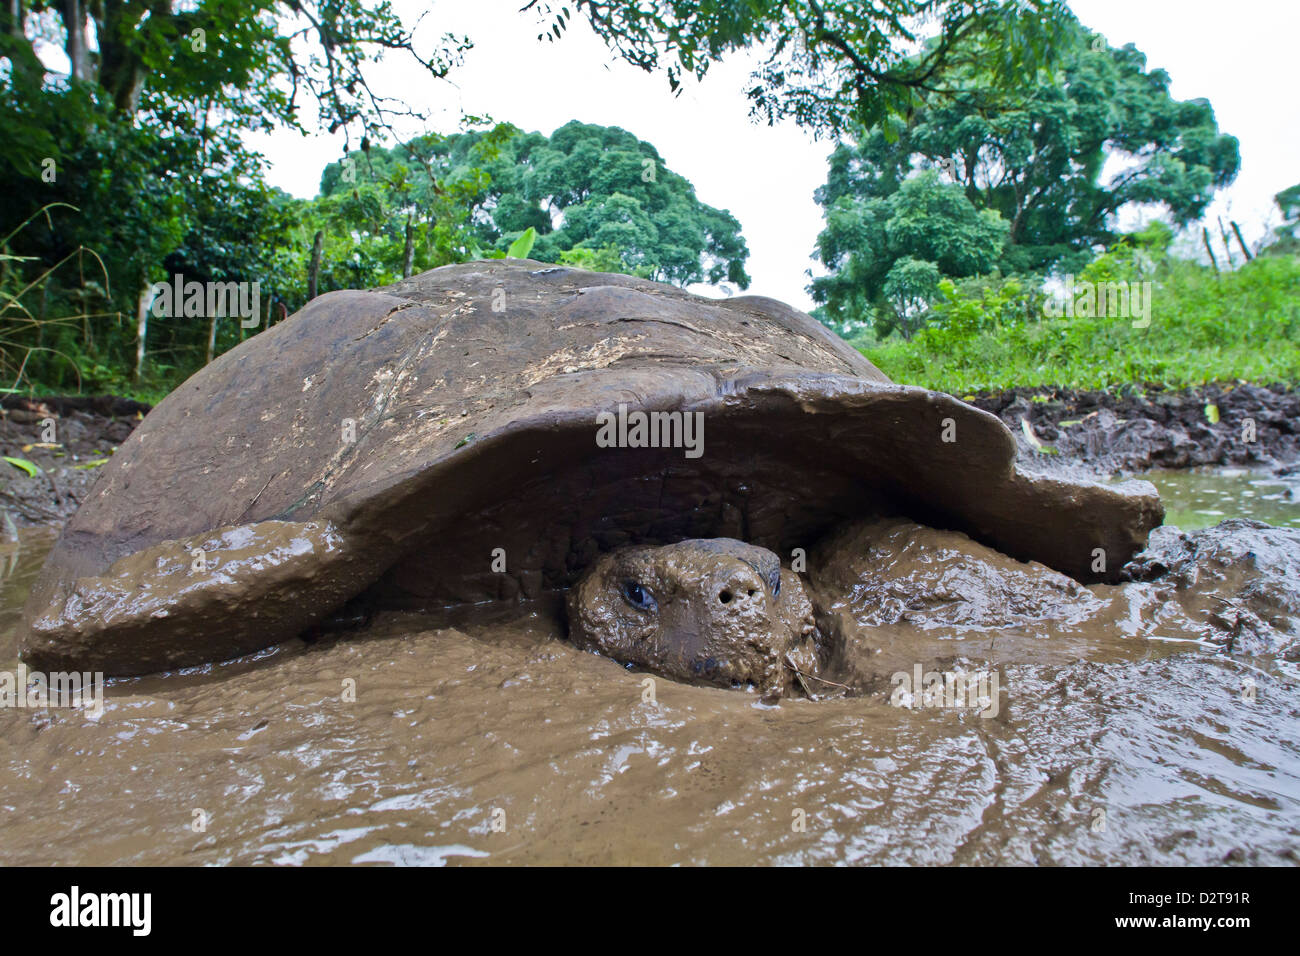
{"x":1202,"y":497}
{"x":20,"y":561}
{"x":415,"y":745}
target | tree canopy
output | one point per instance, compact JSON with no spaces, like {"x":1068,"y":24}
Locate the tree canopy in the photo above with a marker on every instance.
{"x":829,"y":64}
{"x":601,"y":191}
{"x":1054,"y":165}
{"x":595,"y":196}
{"x":1286,"y":237}
{"x":894,"y":249}
{"x":135,"y":155}
{"x":255,"y":61}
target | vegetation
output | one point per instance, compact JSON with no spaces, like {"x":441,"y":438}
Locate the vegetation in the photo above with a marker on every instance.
{"x":993,"y":333}
{"x":956,"y":231}
{"x":130,"y":168}
{"x":834,"y":64}
{"x":978,"y":139}
{"x":595,"y":196}
{"x":1287,"y":235}
{"x":589,"y":196}
{"x":1020,"y":183}
{"x":135,"y":157}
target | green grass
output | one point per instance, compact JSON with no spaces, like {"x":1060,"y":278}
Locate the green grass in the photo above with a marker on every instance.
{"x":1243,"y":325}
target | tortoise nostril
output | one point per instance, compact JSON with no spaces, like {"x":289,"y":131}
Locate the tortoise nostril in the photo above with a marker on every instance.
{"x":737,"y":588}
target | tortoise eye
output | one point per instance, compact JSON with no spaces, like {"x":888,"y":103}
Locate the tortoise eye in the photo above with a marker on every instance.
{"x":638,"y":596}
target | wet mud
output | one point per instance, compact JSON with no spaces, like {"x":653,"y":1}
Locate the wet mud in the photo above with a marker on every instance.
{"x":1139,"y":429}
{"x":971,"y":708}
{"x":895,"y":592}
{"x":68,"y":439}
{"x":1119,"y":733}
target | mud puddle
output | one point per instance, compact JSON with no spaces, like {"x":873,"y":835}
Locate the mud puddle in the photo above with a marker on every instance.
{"x":1201,"y":497}
{"x":504,"y":744}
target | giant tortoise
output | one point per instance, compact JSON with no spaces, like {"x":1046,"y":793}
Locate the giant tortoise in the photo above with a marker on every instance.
{"x":499,"y":432}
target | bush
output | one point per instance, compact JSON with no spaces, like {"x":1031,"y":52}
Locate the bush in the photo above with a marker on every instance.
{"x":1204,"y":327}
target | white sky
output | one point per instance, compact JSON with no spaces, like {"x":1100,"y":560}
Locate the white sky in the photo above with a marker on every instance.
{"x":1241,"y":56}
{"x":765,"y":176}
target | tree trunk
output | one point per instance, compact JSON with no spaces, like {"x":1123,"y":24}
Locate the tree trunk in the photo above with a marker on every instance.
{"x":1227,"y":247}
{"x":313,"y":273}
{"x":121,"y":72}
{"x":141,"y":329}
{"x":1241,"y":242}
{"x":212,"y":339}
{"x":1205,"y":237}
{"x":408,"y":254}
{"x":1013,"y":234}
{"x":14,"y":15}
{"x":74,"y":22}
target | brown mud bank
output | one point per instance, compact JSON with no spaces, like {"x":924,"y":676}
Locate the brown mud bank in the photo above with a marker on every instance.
{"x":68,"y":438}
{"x":1139,"y":429}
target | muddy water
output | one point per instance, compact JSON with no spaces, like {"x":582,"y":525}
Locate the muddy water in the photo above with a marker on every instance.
{"x":503,"y":744}
{"x":1201,"y":497}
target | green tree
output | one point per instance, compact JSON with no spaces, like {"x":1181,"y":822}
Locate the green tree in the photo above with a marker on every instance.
{"x":887,"y":254}
{"x":1038,"y":159}
{"x":389,"y":213}
{"x":829,"y":64}
{"x":142,"y":140}
{"x":1287,"y":235}
{"x":600,"y":189}
{"x":255,"y":61}
{"x":1054,"y":164}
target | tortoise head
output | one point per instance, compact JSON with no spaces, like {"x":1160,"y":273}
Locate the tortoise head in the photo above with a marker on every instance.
{"x":710,"y":611}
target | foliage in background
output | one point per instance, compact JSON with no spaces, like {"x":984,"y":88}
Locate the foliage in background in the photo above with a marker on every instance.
{"x":389,"y":213}
{"x":137,"y":157}
{"x":892,"y":251}
{"x":598,"y":194}
{"x":590,"y":196}
{"x":594,"y":197}
{"x":26,"y":331}
{"x":150,"y":204}
{"x":137,"y":151}
{"x":256,"y":63}
{"x":1035,"y":162}
{"x":991,"y":333}
{"x":831,"y":64}
{"x":1286,"y":237}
